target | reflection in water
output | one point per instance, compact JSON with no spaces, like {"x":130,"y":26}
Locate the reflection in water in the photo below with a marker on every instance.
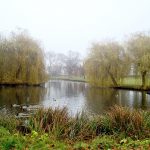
{"x":75,"y":96}
{"x":65,"y":94}
{"x":144,"y":101}
{"x":21,"y":95}
{"x":98,"y":100}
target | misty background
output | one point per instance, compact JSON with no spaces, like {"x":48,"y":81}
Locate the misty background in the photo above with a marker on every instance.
{"x":74,"y":24}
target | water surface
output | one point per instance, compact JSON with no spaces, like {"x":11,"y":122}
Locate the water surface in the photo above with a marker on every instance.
{"x":76,"y":96}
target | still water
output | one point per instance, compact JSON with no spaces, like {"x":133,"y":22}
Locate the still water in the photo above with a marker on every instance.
{"x":76,"y":96}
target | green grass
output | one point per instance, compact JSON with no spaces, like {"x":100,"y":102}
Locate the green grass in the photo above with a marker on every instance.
{"x":70,"y":78}
{"x":45,"y":142}
{"x":119,"y":128}
{"x":134,"y":81}
{"x":131,"y":82}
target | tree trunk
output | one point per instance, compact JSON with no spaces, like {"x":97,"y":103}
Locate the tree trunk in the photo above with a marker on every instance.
{"x":18,"y":72}
{"x":144,"y":79}
{"x":113,"y":79}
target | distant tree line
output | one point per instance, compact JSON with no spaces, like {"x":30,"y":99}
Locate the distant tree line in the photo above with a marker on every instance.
{"x":109,"y":62}
{"x":21,"y":60}
{"x":69,"y":64}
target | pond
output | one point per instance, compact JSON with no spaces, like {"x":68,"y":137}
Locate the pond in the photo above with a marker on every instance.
{"x":76,"y":96}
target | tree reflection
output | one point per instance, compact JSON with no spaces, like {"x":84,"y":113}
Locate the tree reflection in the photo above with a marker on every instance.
{"x":144,"y":100}
{"x":99,"y":100}
{"x":21,"y":95}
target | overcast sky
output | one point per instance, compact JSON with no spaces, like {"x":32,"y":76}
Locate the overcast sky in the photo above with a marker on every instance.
{"x":64,"y":25}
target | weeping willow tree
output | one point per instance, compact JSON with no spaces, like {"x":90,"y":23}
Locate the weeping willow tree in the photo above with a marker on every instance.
{"x":21,"y":60}
{"x":139,"y":51}
{"x":106,"y":64}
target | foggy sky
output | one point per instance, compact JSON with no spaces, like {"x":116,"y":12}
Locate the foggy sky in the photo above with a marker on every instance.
{"x":63,"y":25}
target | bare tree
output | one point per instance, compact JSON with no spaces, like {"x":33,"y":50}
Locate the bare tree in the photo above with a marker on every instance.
{"x":55,"y":63}
{"x":72,"y":62}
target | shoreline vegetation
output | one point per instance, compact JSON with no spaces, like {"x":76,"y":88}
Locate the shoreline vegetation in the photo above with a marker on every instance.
{"x":69,"y":78}
{"x":127,"y":84}
{"x":133,"y":88}
{"x":21,"y":84}
{"x":109,"y":63}
{"x":119,"y":128}
{"x":78,"y":79}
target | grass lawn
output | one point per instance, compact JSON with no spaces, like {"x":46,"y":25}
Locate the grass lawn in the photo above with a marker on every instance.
{"x":130,"y":82}
{"x":70,"y":78}
{"x":137,"y":81}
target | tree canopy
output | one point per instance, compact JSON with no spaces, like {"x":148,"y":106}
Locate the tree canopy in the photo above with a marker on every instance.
{"x":106,"y":63}
{"x":139,"y":51}
{"x":109,"y":63}
{"x":21,"y":60}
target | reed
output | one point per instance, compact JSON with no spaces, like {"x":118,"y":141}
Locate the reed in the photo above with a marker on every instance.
{"x":57,"y":123}
{"x":132,"y":123}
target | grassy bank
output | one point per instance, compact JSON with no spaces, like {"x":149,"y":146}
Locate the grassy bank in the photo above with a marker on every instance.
{"x":133,"y":83}
{"x":120,"y":128}
{"x":129,"y":83}
{"x":69,"y":78}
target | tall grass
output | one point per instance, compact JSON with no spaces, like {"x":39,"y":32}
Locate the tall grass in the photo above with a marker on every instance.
{"x":54,"y":129}
{"x":56,"y":122}
{"x":133,"y":123}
